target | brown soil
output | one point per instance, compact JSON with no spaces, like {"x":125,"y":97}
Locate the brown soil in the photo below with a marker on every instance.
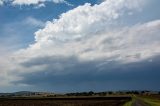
{"x":103,"y":101}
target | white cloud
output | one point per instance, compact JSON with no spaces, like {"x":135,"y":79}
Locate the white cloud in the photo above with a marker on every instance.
{"x":128,"y":44}
{"x":1,"y":2}
{"x":80,"y":24}
{"x":6,"y":73}
{"x":35,"y":2}
{"x":87,"y":33}
{"x":82,"y":20}
{"x":40,"y":5}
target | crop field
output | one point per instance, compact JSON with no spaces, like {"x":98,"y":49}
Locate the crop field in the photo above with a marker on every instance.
{"x":71,"y":101}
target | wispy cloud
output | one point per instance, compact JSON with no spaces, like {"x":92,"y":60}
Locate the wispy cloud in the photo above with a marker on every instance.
{"x":16,"y":31}
{"x":13,"y":34}
{"x":36,"y":3}
{"x":33,"y":22}
{"x":1,"y":2}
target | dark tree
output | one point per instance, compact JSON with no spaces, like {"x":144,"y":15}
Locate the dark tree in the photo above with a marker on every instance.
{"x":110,"y":92}
{"x":90,"y":93}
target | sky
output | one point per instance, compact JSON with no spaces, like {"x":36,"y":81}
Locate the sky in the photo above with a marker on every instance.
{"x":79,"y":45}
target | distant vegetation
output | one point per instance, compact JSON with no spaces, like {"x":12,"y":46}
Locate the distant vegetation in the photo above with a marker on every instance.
{"x":108,"y":98}
{"x":90,"y":93}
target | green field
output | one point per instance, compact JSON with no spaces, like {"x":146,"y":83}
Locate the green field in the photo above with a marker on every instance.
{"x":151,"y":101}
{"x":143,"y":101}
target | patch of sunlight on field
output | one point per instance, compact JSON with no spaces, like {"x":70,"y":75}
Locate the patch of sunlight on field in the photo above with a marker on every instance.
{"x":129,"y":103}
{"x":152,"y":102}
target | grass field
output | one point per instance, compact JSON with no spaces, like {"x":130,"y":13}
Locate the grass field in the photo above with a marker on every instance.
{"x":151,"y":101}
{"x":129,"y":103}
{"x":144,"y":100}
{"x":76,"y":101}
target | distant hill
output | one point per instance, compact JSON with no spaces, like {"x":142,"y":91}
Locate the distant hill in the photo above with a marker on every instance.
{"x":26,"y":93}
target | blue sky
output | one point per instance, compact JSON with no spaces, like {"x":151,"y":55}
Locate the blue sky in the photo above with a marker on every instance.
{"x":11,"y":15}
{"x":79,"y":45}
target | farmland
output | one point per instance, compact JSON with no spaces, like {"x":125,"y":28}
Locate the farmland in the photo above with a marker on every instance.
{"x":109,"y":98}
{"x":65,"y":101}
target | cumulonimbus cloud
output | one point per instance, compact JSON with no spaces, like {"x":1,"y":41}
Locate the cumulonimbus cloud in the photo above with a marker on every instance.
{"x":92,"y":32}
{"x":87,"y":34}
{"x":129,"y":44}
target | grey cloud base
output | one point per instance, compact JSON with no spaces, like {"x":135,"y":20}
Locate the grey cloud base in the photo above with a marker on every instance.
{"x":144,"y":75}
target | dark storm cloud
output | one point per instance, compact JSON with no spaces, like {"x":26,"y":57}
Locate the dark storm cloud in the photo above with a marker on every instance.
{"x":92,"y":75}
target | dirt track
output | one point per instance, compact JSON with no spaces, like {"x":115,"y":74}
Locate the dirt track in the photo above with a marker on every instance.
{"x":139,"y":103}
